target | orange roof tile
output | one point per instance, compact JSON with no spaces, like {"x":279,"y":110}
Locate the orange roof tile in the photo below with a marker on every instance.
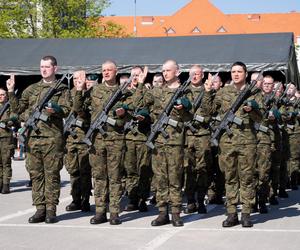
{"x":203,"y":16}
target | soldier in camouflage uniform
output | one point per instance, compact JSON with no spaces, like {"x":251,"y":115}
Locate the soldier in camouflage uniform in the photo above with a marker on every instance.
{"x":106,"y":158}
{"x":7,"y":120}
{"x":138,"y":155}
{"x":291,"y":124}
{"x":45,"y":147}
{"x":77,"y":157}
{"x":198,"y":150}
{"x":238,"y":151}
{"x":167,"y":157}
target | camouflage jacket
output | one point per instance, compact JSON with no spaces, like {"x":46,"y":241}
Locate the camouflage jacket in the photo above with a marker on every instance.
{"x":244,"y":134}
{"x":84,"y":118}
{"x":7,"y":120}
{"x":162,"y":96}
{"x":31,"y":96}
{"x":203,"y":111}
{"x":98,"y":98}
{"x":141,"y":99}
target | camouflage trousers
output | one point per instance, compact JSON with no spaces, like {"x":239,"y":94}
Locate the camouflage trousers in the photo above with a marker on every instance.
{"x":262,"y":175}
{"x":44,"y":162}
{"x":275,"y":171}
{"x":239,"y":168}
{"x":283,"y":173}
{"x":138,"y":170}
{"x":78,"y":166}
{"x":216,"y":187}
{"x":198,"y":154}
{"x":6,"y":149}
{"x":107,"y":169}
{"x":167,"y":164}
{"x":293,"y":155}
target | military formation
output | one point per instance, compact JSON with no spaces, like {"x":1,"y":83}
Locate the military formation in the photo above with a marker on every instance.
{"x":198,"y":140}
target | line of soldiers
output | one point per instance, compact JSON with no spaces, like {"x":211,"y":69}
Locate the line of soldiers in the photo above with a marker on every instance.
{"x":162,"y":135}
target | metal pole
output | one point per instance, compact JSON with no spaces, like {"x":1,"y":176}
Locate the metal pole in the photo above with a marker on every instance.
{"x":134,"y":28}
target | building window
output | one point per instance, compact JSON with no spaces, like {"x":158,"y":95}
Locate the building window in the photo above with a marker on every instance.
{"x":196,"y":30}
{"x":170,"y":31}
{"x":221,"y":30}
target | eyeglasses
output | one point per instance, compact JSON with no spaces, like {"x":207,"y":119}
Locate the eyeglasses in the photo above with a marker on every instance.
{"x":2,"y":94}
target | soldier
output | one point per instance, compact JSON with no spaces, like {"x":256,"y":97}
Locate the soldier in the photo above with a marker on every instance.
{"x":238,"y":150}
{"x":107,"y":154}
{"x":7,"y":120}
{"x":216,"y":189}
{"x":138,"y":155}
{"x":45,"y":146}
{"x":77,"y":157}
{"x":264,"y":143}
{"x":91,"y":81}
{"x":198,"y":150}
{"x":167,"y":157}
{"x":289,"y":116}
{"x":158,"y":80}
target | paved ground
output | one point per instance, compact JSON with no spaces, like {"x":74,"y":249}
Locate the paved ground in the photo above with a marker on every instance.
{"x":280,"y":229}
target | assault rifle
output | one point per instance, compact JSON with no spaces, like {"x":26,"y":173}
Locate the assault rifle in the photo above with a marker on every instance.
{"x":70,"y":122}
{"x":102,"y":117}
{"x":197,"y":104}
{"x":230,"y":115}
{"x":280,"y":100}
{"x":2,"y":111}
{"x":268,"y":101}
{"x":164,"y":118}
{"x":37,"y":115}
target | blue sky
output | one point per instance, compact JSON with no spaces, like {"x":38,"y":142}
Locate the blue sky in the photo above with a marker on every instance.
{"x":168,"y":7}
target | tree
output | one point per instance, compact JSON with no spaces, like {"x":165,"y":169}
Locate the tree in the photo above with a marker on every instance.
{"x":56,"y":19}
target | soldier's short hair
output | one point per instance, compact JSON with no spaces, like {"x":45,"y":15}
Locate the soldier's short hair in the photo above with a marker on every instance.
{"x":110,"y":62}
{"x":238,"y":63}
{"x":50,"y":58}
{"x":172,"y":61}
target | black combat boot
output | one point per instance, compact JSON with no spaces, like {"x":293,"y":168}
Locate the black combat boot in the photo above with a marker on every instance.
{"x":231,"y":220}
{"x":99,"y":218}
{"x":176,"y":220}
{"x":294,"y":181}
{"x":51,"y":217}
{"x":5,"y":188}
{"x":162,"y":219}
{"x":153,"y":200}
{"x":85,"y":205}
{"x":39,"y":216}
{"x":29,"y":183}
{"x":263,"y":208}
{"x":114,"y":219}
{"x":131,"y":206}
{"x":74,"y":206}
{"x":273,"y":200}
{"x":282,"y":193}
{"x":143,"y":206}
{"x":218,"y":200}
{"x":190,"y":208}
{"x":245,"y":220}
{"x":202,"y":208}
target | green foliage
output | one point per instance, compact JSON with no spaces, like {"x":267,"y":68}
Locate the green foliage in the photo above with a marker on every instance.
{"x":56,"y":19}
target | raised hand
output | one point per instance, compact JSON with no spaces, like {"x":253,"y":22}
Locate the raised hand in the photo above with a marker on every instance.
{"x":10,"y":83}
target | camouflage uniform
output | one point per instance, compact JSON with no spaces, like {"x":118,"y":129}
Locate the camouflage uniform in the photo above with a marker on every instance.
{"x":238,"y":151}
{"x":45,"y":148}
{"x":6,"y":147}
{"x":138,"y":155}
{"x":77,"y":161}
{"x":106,"y":158}
{"x":263,"y":164}
{"x":292,"y":142}
{"x":167,"y":157}
{"x":198,"y":153}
